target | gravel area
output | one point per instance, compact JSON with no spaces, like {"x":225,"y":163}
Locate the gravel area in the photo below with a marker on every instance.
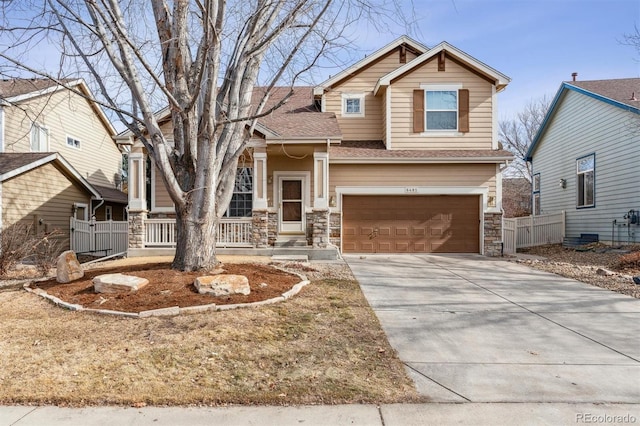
{"x":595,"y":264}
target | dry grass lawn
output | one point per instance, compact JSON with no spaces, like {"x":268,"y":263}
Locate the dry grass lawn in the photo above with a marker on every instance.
{"x":324,"y":346}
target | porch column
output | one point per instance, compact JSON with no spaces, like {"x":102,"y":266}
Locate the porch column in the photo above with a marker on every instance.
{"x":137,"y":187}
{"x":260,"y":179}
{"x":320,"y":180}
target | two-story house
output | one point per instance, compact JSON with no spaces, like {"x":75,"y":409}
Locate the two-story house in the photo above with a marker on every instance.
{"x":396,"y":154}
{"x":58,"y":156}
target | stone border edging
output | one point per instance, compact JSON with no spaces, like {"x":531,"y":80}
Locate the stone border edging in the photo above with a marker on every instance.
{"x":173,"y":310}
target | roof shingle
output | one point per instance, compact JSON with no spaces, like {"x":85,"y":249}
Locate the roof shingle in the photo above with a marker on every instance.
{"x":621,"y":90}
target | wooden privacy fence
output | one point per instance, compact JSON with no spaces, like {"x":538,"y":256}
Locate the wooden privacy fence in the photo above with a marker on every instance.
{"x":532,"y":231}
{"x":99,"y":238}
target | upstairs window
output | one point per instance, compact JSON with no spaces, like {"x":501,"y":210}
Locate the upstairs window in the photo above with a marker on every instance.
{"x":586,"y":181}
{"x":73,"y":142}
{"x":440,"y":108}
{"x":352,"y":105}
{"x":242,"y":201}
{"x":536,"y":194}
{"x":39,"y":138}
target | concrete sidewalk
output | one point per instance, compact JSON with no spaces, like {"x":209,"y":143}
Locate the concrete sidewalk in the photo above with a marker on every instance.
{"x":475,"y":329}
{"x":387,"y":415}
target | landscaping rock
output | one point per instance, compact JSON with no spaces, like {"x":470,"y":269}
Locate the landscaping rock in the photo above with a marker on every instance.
{"x":118,"y":283}
{"x":604,"y":272}
{"x":68,"y":268}
{"x":222,"y":285}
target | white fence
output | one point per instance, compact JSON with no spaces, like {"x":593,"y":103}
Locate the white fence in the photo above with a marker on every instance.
{"x":532,"y":231}
{"x":231,"y":233}
{"x":99,"y":238}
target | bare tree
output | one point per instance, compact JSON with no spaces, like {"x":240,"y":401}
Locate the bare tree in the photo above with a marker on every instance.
{"x":516,"y":135}
{"x":202,"y":58}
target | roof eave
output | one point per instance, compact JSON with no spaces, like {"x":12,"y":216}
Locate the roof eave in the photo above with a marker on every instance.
{"x":423,"y":160}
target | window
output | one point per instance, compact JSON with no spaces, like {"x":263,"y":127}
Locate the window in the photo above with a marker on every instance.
{"x":39,"y":138}
{"x":73,"y":142}
{"x":242,"y":200}
{"x":108,"y":213}
{"x":442,"y":109}
{"x":585,"y":168}
{"x":352,"y":105}
{"x":536,"y":194}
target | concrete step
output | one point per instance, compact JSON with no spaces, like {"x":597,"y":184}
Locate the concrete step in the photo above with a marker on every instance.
{"x":290,"y":258}
{"x":291,"y":241}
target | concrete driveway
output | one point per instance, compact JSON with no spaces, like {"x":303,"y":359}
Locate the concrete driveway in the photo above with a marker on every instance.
{"x":474,"y":329}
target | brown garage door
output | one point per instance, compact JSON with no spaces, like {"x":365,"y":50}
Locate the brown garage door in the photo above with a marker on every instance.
{"x":410,"y":224}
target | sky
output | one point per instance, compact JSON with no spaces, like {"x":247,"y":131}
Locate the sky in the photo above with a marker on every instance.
{"x":537,"y":43}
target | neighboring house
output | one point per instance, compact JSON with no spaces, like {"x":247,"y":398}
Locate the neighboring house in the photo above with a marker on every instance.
{"x":516,"y":197}
{"x":58,"y":157}
{"x":585,"y":159}
{"x":396,"y":154}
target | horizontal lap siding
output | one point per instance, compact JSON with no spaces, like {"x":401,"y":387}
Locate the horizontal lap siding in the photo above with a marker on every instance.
{"x":581,"y":126}
{"x":369,"y":127}
{"x":480,"y":108}
{"x":277,"y":163}
{"x":474,"y":175}
{"x":43,"y":192}
{"x":66,"y":114}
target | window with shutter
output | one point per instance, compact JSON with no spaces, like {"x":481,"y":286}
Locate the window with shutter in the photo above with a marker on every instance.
{"x":440,"y":108}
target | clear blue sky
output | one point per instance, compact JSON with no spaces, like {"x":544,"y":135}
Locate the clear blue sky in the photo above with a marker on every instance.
{"x":537,"y":43}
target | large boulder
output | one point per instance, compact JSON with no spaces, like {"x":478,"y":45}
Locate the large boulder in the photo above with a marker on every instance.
{"x":222,"y":285}
{"x":68,"y":268}
{"x":118,"y":283}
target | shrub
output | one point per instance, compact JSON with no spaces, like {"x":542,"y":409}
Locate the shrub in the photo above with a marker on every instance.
{"x":629,"y":261}
{"x":46,"y":249}
{"x":16,"y":243}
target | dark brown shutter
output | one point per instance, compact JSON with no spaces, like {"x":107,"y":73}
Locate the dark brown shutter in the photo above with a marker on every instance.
{"x":418,"y":111}
{"x":441,"y":61}
{"x":463,"y":110}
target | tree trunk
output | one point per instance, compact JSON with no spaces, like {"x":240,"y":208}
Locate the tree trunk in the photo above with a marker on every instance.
{"x":195,"y":242}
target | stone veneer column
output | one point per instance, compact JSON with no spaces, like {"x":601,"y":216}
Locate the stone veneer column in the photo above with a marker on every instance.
{"x":320,"y":237}
{"x":334,"y":229}
{"x":273,"y":228}
{"x":136,"y":228}
{"x":493,"y":234}
{"x":260,"y":228}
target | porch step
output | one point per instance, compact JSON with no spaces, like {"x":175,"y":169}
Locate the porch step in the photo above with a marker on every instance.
{"x":291,"y":241}
{"x":290,"y":258}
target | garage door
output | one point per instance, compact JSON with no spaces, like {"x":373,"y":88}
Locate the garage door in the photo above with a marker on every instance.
{"x":410,"y":224}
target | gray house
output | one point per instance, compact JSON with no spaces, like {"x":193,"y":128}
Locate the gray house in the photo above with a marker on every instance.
{"x":586,"y":159}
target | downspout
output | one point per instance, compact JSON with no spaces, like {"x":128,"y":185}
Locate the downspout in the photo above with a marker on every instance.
{"x":93,"y":210}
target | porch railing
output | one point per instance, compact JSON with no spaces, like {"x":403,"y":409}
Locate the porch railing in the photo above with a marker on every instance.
{"x":231,"y":233}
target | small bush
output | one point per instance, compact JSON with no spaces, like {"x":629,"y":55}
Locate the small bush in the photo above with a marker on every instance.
{"x":629,"y":261}
{"x":16,"y":243}
{"x":46,"y":249}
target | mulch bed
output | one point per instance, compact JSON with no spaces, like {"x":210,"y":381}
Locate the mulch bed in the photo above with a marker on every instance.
{"x":168,"y":287}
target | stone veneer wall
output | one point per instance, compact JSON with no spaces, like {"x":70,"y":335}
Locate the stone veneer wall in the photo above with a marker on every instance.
{"x":334,"y":229}
{"x":136,"y":229}
{"x":493,"y":234}
{"x":273,"y":228}
{"x":320,"y":238}
{"x":260,"y":228}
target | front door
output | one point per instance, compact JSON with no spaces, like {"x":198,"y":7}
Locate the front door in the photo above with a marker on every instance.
{"x":291,"y":204}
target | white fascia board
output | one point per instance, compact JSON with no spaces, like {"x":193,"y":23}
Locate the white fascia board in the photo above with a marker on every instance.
{"x":319,"y":90}
{"x":500,"y":79}
{"x":449,"y":160}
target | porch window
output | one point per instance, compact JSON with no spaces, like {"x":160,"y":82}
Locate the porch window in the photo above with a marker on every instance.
{"x":242,"y":202}
{"x":586,"y":182}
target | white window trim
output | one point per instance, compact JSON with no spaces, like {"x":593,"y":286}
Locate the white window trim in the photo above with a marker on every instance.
{"x":346,"y":96}
{"x":578,"y":173}
{"x":446,"y":87}
{"x":46,"y":131}
{"x":84,"y":206}
{"x":66,"y":141}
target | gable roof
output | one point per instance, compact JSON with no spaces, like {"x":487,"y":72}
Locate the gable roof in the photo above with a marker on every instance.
{"x":500,"y":80}
{"x":14,"y":164}
{"x":17,"y":90}
{"x":616,"y":92}
{"x":318,"y":90}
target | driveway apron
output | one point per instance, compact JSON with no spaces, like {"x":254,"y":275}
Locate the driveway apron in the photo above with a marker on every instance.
{"x":475,"y":329}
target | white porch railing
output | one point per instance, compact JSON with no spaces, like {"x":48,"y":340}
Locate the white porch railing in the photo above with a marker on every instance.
{"x":231,"y":233}
{"x":532,"y":231}
{"x":99,"y":237}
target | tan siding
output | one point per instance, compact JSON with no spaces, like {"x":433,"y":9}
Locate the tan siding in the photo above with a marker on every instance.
{"x":162,"y":198}
{"x":370,"y":126}
{"x":286,"y":164}
{"x":474,"y":175}
{"x":43,"y":193}
{"x":480,"y":108}
{"x":66,"y":114}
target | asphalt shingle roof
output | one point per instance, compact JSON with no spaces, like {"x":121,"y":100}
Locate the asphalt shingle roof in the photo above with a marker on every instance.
{"x":621,"y":90}
{"x":12,"y":161}
{"x":22,"y":86}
